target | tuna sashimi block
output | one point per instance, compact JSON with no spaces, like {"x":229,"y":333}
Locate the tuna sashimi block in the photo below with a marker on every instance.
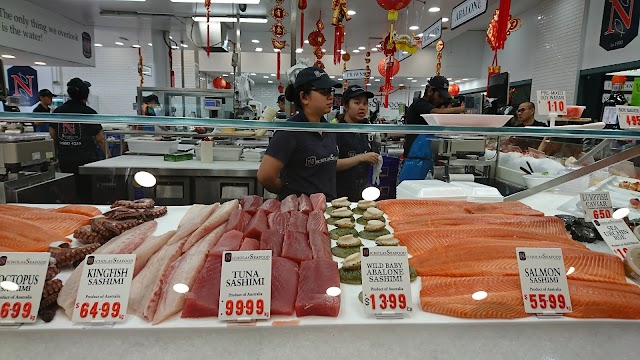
{"x":257,"y":225}
{"x":304,"y":204}
{"x":271,"y":206}
{"x":296,"y":246}
{"x":246,"y":219}
{"x":202,"y":300}
{"x":251,"y":203}
{"x":316,"y":277}
{"x":290,"y":203}
{"x":230,"y":241}
{"x":317,"y":222}
{"x":284,"y":286}
{"x":272,"y":240}
{"x":250,"y":244}
{"x":298,"y":221}
{"x":279,"y":221}
{"x":319,"y":202}
{"x":236,"y":221}
{"x":320,"y":245}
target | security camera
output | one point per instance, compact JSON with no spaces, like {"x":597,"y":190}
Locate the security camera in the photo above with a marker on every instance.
{"x":242,"y":7}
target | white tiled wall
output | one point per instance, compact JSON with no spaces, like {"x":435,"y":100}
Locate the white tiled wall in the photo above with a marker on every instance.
{"x":558,"y":48}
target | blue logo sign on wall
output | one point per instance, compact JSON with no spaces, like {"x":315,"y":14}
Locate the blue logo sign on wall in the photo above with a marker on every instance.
{"x":23,"y":82}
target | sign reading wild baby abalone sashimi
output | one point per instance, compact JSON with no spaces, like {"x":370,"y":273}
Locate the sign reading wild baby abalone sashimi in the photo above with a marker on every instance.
{"x":27,"y":27}
{"x":386,"y":280}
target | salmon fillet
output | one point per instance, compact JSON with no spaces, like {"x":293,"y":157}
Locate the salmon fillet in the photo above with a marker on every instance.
{"x":452,"y":296}
{"x":499,"y":259}
{"x":61,"y":223}
{"x":540,"y":224}
{"x":504,"y":208}
{"x":85,"y":210}
{"x":397,"y":209}
{"x":22,"y":235}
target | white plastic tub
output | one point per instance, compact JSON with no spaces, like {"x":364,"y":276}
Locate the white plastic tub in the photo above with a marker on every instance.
{"x":152,"y":146}
{"x":227,"y":153}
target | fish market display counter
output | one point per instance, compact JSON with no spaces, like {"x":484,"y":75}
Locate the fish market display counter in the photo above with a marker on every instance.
{"x":352,"y":333}
{"x":177,"y":183}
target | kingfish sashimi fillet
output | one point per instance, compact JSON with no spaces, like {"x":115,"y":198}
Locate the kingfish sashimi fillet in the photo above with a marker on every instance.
{"x":257,"y":225}
{"x":192,"y":220}
{"x":61,"y":223}
{"x":290,"y":203}
{"x":279,"y":221}
{"x":317,"y":221}
{"x":272,"y":240}
{"x":251,"y":203}
{"x":284,"y":286}
{"x":149,"y":248}
{"x":124,"y":243}
{"x":22,"y":235}
{"x":296,"y":246}
{"x":249,"y":244}
{"x":203,"y":299}
{"x":503,"y":208}
{"x":185,"y":270}
{"x":319,"y":202}
{"x":230,"y":241}
{"x":304,"y":204}
{"x":271,"y":206}
{"x":452,"y":296}
{"x":216,"y":219}
{"x":541,"y":224}
{"x":316,"y":276}
{"x":499,"y":259}
{"x":85,"y":210}
{"x":320,"y":245}
{"x":298,"y":221}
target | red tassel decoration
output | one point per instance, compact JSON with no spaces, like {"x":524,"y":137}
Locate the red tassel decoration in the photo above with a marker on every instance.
{"x":302,"y":29}
{"x":278,"y":65}
{"x":504,"y":15}
{"x":207,"y":4}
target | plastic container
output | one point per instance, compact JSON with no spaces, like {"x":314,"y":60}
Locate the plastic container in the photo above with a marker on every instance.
{"x":206,"y":151}
{"x":575,"y":111}
{"x":632,"y":263}
{"x":479,"y":192}
{"x":494,"y":121}
{"x":536,"y":179}
{"x":429,"y":189}
{"x":152,"y":146}
{"x":227,"y":153}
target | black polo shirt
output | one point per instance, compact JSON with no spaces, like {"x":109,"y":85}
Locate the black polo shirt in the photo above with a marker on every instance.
{"x":352,"y":181}
{"x":75,"y":143}
{"x":420,"y":106}
{"x":309,"y":158}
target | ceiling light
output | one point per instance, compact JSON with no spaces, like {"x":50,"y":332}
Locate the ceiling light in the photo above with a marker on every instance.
{"x":8,"y":56}
{"x":97,"y":45}
{"x":372,"y":78}
{"x":119,"y":43}
{"x":409,"y":78}
{"x":174,"y":47}
{"x":414,"y":80}
{"x":265,"y":77}
{"x":150,"y":44}
{"x":136,"y":46}
{"x":332,"y":77}
{"x":374,"y":49}
{"x":420,"y":35}
{"x":356,"y":51}
{"x":231,"y":19}
{"x":342,"y":52}
{"x":184,"y":45}
{"x":248,"y":2}
{"x":299,"y":50}
{"x":324,"y":50}
{"x":369,"y":84}
{"x":273,"y":75}
{"x":270,"y":82}
{"x":362,"y":48}
{"x":306,"y":41}
{"x":404,"y":53}
{"x":340,"y":79}
{"x":434,"y":9}
{"x":377,"y":80}
{"x":40,"y":63}
{"x":276,"y":50}
{"x":414,"y":27}
{"x":465,"y":79}
{"x":259,"y":49}
{"x":401,"y":85}
{"x":255,"y":41}
{"x":351,"y":12}
{"x":445,"y":19}
{"x":253,"y":74}
{"x":449,"y":79}
{"x":225,"y":75}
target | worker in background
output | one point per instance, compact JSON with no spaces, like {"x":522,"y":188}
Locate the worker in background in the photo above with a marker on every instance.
{"x":46,"y":99}
{"x":304,"y":162}
{"x":282,"y":111}
{"x":148,"y":105}
{"x":526,"y":115}
{"x":418,"y":157}
{"x":76,"y":143}
{"x":355,"y":152}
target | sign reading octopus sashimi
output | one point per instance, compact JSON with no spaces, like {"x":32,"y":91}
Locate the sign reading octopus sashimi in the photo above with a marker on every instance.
{"x":104,"y":289}
{"x":245,"y":285}
{"x":22,"y":278}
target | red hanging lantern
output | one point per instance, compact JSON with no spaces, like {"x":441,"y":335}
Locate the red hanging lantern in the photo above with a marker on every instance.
{"x":278,"y":30}
{"x":388,"y":67}
{"x":281,"y":89}
{"x":393,"y":5}
{"x":207,"y":5}
{"x":454,"y":89}
{"x":340,"y":16}
{"x":302,"y":5}
{"x":219,"y":83}
{"x":316,"y":40}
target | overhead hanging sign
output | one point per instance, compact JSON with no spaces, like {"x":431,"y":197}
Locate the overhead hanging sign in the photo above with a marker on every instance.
{"x":620,"y":21}
{"x":467,"y":11}
{"x":23,"y":82}
{"x":432,"y":34}
{"x":354,"y":74}
{"x":27,"y":27}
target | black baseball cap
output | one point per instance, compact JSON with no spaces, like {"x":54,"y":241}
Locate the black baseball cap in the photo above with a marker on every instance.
{"x":45,"y":93}
{"x":317,"y":77}
{"x":78,"y":83}
{"x":440,"y":84}
{"x":355,"y":91}
{"x":150,"y":98}
{"x":281,"y":98}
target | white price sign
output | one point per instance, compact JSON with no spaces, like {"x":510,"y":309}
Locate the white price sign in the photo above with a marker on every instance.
{"x":355,"y":74}
{"x":386,"y":283}
{"x":629,"y":116}
{"x":617,"y":235}
{"x":543,"y":280}
{"x":596,"y":205}
{"x":245,"y":285}
{"x":104,"y":289}
{"x":22,"y":278}
{"x":551,"y":101}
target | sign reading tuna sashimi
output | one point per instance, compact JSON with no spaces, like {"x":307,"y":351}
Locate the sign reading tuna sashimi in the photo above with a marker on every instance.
{"x":104,"y":289}
{"x":386,"y":287}
{"x":22,"y":278}
{"x":245,"y":285}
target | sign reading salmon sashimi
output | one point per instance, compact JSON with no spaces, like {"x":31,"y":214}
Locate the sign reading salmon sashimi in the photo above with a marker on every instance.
{"x":596,"y":205}
{"x":245,"y":285}
{"x":543,"y":280}
{"x":22,"y":278}
{"x":386,"y":280}
{"x":617,"y":235}
{"x":104,"y":289}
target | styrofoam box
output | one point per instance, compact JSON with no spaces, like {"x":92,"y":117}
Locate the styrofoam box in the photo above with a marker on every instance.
{"x":151,"y":145}
{"x":479,"y":192}
{"x":227,"y":153}
{"x":440,"y":190}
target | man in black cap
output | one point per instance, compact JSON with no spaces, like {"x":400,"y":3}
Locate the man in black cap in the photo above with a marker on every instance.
{"x":417,"y":148}
{"x":46,"y":99}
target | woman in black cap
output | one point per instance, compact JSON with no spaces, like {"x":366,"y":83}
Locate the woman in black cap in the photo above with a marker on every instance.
{"x":76,"y":144}
{"x":304,"y":162}
{"x":356,"y":157}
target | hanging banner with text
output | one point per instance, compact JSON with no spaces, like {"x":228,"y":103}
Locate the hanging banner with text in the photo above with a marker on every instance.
{"x":23,"y":82}
{"x":30,"y":28}
{"x":467,"y":11}
{"x":22,"y":278}
{"x":620,"y":21}
{"x":432,"y":34}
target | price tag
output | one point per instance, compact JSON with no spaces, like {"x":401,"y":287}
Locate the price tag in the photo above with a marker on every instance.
{"x":245,"y":286}
{"x":104,"y":289}
{"x":629,"y":116}
{"x":543,"y":280}
{"x":386,"y":287}
{"x":617,"y":235}
{"x":596,"y":205}
{"x":551,"y":101}
{"x":22,"y":278}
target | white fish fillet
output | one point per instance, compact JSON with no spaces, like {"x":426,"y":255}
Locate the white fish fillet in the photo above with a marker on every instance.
{"x":192,"y":220}
{"x":150,"y":246}
{"x":185,"y":271}
{"x":124,"y":243}
{"x":218,"y":217}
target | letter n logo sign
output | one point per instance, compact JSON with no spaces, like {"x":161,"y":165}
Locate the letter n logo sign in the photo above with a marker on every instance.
{"x":619,"y":23}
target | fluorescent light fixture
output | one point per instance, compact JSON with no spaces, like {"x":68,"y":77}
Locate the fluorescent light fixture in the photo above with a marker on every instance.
{"x":150,"y":44}
{"x":465,"y":79}
{"x":174,"y":47}
{"x":372,"y":78}
{"x":266,"y":77}
{"x":259,"y":49}
{"x":340,"y":79}
{"x":273,"y":75}
{"x":351,"y":12}
{"x":276,"y":50}
{"x":332,"y":77}
{"x":377,"y":80}
{"x":362,"y":48}
{"x":255,"y":41}
{"x":40,"y":63}
{"x":409,"y":78}
{"x":414,"y":80}
{"x":299,"y":50}
{"x":414,"y":27}
{"x":119,"y":43}
{"x":356,"y":51}
{"x":445,"y":20}
{"x":369,"y":84}
{"x":324,"y":50}
{"x":420,"y":35}
{"x":401,"y":85}
{"x":404,"y":53}
{"x":136,"y":46}
{"x":270,"y":82}
{"x":449,"y":79}
{"x":306,"y":41}
{"x":97,"y":45}
{"x":248,"y":2}
{"x":374,"y":49}
{"x":225,"y":75}
{"x":342,"y":52}
{"x":184,"y":45}
{"x":8,"y":56}
{"x":253,"y":74}
{"x":231,"y":19}
{"x":434,"y":9}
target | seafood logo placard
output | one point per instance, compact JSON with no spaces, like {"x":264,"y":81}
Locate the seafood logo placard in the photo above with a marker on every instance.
{"x":22,"y":278}
{"x":386,"y":283}
{"x":617,"y":235}
{"x":245,"y":286}
{"x":596,"y":205}
{"x":105,"y":284}
{"x":543,"y":280}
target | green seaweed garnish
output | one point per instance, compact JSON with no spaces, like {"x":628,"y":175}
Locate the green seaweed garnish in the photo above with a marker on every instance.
{"x":335,"y":234}
{"x":343,"y":252}
{"x":332,"y":220}
{"x":330,"y":209}
{"x":372,"y":235}
{"x":358,"y":211}
{"x":362,"y":221}
{"x":350,"y":276}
